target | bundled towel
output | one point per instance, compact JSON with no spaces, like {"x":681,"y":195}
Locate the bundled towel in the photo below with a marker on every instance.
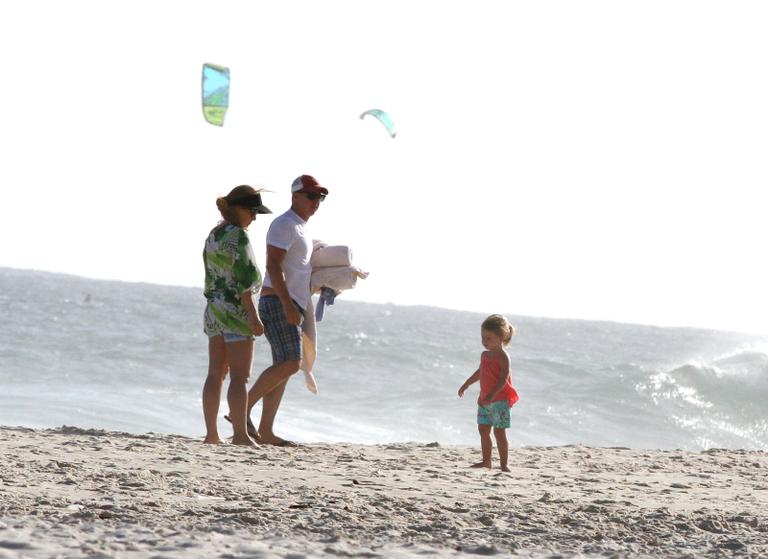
{"x":338,"y":278}
{"x":325,"y":256}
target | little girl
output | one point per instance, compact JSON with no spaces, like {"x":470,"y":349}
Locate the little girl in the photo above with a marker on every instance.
{"x":496,"y":392}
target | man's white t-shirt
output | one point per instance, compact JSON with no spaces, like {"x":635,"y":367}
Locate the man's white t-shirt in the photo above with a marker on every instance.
{"x":288,"y":232}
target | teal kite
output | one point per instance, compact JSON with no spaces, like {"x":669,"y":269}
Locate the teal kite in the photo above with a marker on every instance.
{"x":383,"y":118}
{"x":215,"y":93}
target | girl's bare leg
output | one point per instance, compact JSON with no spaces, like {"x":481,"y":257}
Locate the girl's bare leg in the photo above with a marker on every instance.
{"x":240,"y":356}
{"x":503,"y":447}
{"x":486,"y":445}
{"x":217,"y":370}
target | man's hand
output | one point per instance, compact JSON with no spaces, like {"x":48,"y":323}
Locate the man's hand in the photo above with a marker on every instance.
{"x":256,"y":325}
{"x":293,"y":315}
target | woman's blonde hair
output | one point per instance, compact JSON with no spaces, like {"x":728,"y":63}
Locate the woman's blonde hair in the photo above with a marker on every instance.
{"x":226,"y":211}
{"x":498,"y":324}
{"x":228,"y":203}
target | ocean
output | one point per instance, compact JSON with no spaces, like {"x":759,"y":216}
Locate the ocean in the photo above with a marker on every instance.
{"x":132,"y":357}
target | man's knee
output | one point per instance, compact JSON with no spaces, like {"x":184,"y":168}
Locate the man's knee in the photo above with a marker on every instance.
{"x":289,"y":368}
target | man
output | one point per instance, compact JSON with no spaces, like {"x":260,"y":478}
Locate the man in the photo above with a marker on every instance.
{"x":284,"y":297}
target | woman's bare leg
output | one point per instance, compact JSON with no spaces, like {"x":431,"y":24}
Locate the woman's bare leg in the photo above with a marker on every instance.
{"x":217,"y":370}
{"x":240,"y":357}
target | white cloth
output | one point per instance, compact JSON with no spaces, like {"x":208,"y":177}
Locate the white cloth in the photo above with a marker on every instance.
{"x":309,"y":347}
{"x":334,"y":255}
{"x":338,"y":278}
{"x":288,"y":232}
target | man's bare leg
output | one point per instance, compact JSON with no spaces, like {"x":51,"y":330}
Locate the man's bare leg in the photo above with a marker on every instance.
{"x":269,"y":406}
{"x":272,"y":379}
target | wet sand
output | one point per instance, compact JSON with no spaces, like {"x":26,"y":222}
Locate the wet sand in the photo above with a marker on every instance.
{"x":72,"y":492}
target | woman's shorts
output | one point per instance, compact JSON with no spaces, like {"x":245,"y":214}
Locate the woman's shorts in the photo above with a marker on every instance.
{"x":212,"y":327}
{"x":495,"y":414}
{"x":283,"y":338}
{"x":229,"y":338}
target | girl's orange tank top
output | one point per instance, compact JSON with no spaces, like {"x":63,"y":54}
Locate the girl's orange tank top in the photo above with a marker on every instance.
{"x":490,"y":371}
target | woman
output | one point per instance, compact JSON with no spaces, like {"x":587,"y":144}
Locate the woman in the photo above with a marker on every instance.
{"x":231,"y":320}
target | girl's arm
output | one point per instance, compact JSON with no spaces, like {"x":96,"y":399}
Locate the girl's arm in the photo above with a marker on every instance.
{"x":469,"y":382}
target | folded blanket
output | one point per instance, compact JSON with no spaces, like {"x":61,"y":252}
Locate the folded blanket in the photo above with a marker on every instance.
{"x":334,"y":255}
{"x":338,"y":278}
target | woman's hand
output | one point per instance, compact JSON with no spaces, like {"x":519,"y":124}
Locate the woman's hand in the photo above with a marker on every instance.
{"x":462,"y":390}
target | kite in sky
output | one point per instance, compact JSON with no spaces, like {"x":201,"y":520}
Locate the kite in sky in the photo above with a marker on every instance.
{"x":215,"y":93}
{"x":383,"y":118}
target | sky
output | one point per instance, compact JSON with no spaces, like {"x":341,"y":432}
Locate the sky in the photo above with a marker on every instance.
{"x":600,"y":160}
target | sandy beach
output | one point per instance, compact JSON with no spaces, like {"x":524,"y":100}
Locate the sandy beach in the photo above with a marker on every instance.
{"x":71,"y":492}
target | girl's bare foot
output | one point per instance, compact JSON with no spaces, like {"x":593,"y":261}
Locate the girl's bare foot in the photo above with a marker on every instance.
{"x":505,"y":469}
{"x":216,"y":440}
{"x":481,"y":465}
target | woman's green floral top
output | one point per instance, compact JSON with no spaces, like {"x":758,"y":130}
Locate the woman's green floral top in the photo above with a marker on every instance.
{"x":230,"y":270}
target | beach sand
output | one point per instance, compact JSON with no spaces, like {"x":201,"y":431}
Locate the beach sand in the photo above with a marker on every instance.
{"x":72,"y":492}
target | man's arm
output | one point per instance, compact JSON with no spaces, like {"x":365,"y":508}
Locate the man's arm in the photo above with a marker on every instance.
{"x":275,"y":257}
